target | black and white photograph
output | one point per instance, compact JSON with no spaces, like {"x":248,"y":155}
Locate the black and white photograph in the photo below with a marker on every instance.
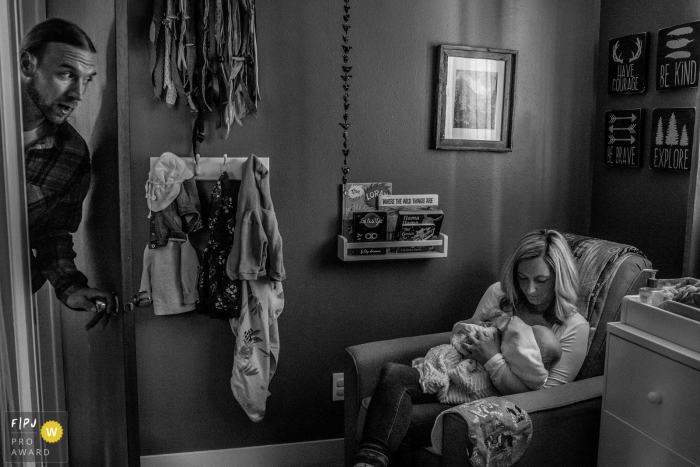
{"x":475,"y":98}
{"x":349,"y":233}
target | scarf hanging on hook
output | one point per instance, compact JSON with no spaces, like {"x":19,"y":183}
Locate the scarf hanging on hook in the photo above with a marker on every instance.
{"x":215,"y":73}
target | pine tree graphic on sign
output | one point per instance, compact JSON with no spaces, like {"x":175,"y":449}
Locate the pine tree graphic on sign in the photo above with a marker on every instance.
{"x":672,"y":134}
{"x":684,"y":137}
{"x":660,"y":133}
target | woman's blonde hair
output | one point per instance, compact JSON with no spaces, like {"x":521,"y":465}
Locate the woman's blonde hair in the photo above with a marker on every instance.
{"x":551,"y":246}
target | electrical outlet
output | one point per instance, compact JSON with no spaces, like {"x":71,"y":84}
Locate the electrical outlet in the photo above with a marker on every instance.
{"x":338,"y":386}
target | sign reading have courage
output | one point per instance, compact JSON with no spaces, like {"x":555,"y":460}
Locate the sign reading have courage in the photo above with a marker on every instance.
{"x":627,"y":64}
{"x":677,"y":57}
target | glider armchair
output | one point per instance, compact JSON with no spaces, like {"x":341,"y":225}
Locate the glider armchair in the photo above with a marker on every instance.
{"x":565,"y":419}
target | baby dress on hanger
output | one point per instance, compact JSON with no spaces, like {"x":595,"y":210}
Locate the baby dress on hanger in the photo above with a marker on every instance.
{"x":219,"y":296}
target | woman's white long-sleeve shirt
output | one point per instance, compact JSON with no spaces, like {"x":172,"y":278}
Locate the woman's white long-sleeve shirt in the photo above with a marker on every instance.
{"x":572,"y":335}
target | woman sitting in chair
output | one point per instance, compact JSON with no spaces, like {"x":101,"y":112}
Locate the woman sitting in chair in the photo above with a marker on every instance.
{"x":539,"y":285}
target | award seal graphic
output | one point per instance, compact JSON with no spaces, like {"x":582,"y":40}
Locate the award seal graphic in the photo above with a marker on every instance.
{"x":51,"y":431}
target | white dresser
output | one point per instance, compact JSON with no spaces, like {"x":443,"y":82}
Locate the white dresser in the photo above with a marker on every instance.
{"x":651,"y":402}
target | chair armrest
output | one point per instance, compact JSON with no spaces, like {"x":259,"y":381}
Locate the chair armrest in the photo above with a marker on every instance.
{"x":559,"y":396}
{"x":565,"y":421}
{"x":366,"y":360}
{"x":363,"y":364}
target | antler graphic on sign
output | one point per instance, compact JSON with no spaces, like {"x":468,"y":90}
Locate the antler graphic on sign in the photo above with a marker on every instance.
{"x":636,"y":55}
{"x":616,"y":57}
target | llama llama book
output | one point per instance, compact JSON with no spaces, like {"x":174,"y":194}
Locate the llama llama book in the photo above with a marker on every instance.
{"x":392,"y":204}
{"x":418,"y":225}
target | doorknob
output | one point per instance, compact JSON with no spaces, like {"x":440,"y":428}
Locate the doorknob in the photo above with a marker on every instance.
{"x":140,"y":300}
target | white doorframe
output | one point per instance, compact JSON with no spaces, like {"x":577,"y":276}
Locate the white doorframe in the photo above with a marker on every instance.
{"x":15,"y":285}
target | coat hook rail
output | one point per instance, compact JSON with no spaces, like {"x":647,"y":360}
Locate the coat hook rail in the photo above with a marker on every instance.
{"x":210,"y":168}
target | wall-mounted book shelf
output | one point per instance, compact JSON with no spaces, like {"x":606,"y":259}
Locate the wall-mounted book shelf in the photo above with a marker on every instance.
{"x":440,"y":245}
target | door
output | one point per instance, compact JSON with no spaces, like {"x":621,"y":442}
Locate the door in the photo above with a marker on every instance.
{"x":99,"y":366}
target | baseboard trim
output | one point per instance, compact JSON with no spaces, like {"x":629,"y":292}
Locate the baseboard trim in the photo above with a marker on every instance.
{"x":325,"y":453}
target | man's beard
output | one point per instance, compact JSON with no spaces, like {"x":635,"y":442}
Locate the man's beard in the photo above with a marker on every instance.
{"x":51,"y":111}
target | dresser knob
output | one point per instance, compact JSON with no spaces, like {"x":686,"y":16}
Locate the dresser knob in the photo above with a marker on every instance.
{"x":654,"y":397}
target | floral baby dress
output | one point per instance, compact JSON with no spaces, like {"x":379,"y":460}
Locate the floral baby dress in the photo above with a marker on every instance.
{"x":219,"y":296}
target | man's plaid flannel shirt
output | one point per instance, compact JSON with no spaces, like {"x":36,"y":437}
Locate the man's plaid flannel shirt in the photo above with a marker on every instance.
{"x":58,"y":179}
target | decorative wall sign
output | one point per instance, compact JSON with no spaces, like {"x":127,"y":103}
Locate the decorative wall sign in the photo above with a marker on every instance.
{"x":623,"y":137}
{"x":677,"y":57}
{"x":627,"y":64}
{"x":672,"y":138}
{"x":475,"y":98}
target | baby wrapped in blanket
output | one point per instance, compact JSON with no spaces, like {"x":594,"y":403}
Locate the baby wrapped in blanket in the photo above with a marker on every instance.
{"x":530,"y":351}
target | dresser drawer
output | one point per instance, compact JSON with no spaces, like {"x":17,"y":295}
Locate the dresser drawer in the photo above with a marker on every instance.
{"x":623,"y":446}
{"x":633,"y":374}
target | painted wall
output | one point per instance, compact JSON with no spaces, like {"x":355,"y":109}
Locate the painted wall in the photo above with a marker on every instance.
{"x":490,"y":199}
{"x":644,"y":207}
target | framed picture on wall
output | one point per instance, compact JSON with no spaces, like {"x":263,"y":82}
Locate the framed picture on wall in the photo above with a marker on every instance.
{"x":475,"y":95}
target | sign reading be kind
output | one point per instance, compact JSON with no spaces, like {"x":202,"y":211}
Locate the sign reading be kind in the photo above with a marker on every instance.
{"x":677,"y":57}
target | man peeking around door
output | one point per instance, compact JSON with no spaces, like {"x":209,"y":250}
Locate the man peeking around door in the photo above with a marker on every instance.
{"x":57,"y":61}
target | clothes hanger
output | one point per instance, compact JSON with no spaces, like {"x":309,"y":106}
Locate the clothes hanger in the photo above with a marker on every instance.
{"x":197,"y":167}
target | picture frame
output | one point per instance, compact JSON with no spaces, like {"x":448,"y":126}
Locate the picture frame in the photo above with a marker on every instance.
{"x":475,"y":96}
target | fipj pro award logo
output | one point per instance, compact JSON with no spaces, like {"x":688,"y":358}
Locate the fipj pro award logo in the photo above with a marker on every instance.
{"x":36,"y":437}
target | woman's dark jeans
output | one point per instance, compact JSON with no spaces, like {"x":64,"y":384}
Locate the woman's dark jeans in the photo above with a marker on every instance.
{"x":391,"y":417}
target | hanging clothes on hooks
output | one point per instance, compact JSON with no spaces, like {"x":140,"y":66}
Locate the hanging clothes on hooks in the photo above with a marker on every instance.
{"x":257,"y":246}
{"x":219,"y":295}
{"x":256,"y":259}
{"x":173,"y":201}
{"x":170,"y":263}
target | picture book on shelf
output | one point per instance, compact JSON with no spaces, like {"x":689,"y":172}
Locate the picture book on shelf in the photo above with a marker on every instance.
{"x":393,"y":204}
{"x":369,"y":227}
{"x":417,"y":226}
{"x":359,"y":197}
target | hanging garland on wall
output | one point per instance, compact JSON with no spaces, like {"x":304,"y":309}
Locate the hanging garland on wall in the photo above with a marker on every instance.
{"x":346,"y":88}
{"x":204,"y":54}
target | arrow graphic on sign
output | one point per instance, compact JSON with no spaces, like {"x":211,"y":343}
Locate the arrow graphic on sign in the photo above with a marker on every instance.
{"x":615,"y":140}
{"x":631,"y":118}
{"x":630,"y":128}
